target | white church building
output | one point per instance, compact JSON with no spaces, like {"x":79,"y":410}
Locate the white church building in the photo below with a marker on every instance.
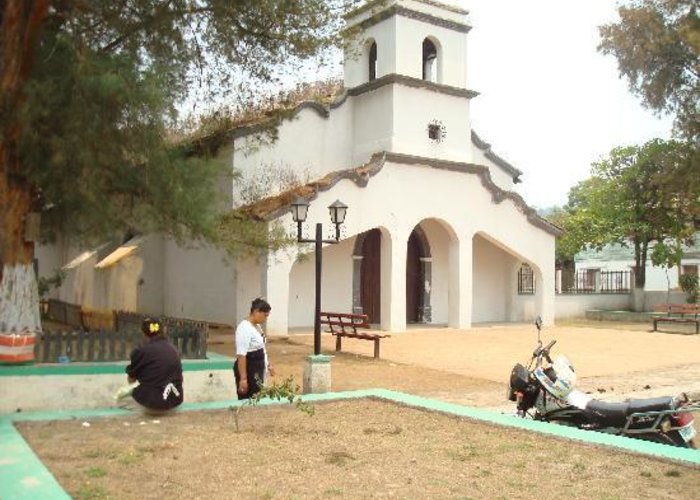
{"x":434,"y":233}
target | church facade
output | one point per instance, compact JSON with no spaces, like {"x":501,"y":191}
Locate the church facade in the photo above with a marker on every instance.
{"x":434,"y":232}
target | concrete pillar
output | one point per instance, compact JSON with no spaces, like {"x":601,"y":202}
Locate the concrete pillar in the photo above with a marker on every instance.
{"x":276,"y":292}
{"x":317,"y":374}
{"x":460,"y":285}
{"x":393,"y":281}
{"x":357,"y":284}
{"x":545,"y":278}
{"x":427,"y":312}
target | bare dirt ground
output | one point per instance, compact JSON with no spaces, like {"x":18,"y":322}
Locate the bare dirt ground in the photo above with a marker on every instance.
{"x":360,"y":449}
{"x":472,"y":366}
{"x":371,"y":449}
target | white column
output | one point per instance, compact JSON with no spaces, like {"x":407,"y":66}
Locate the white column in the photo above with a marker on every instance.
{"x":547,"y":278}
{"x":460,"y":285}
{"x":276,"y":292}
{"x":394,"y":281}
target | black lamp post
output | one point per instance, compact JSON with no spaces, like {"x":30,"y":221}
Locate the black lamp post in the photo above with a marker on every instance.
{"x":300,"y":209}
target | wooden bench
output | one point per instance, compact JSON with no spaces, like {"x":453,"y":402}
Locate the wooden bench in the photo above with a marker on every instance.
{"x":678,"y":313}
{"x":347,"y":325}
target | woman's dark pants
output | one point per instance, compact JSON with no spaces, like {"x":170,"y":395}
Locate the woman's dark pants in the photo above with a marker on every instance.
{"x":255,"y":368}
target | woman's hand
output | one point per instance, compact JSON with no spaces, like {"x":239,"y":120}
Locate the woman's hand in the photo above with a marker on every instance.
{"x":243,"y":386}
{"x":271,"y":370}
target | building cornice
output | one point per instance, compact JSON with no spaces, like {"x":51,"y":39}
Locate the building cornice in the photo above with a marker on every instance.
{"x":485,"y":147}
{"x":397,"y":10}
{"x":498,"y":195}
{"x":409,"y":81}
{"x":435,"y":3}
{"x":277,"y":206}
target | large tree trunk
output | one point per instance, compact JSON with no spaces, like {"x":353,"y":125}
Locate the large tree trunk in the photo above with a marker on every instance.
{"x":19,"y":298}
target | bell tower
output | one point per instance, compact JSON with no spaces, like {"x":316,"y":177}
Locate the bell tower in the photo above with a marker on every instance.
{"x":405,"y":68}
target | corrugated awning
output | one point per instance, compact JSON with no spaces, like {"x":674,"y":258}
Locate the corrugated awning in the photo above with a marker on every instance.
{"x":123,"y":251}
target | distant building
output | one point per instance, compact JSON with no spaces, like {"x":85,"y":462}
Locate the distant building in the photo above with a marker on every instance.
{"x":619,"y":258}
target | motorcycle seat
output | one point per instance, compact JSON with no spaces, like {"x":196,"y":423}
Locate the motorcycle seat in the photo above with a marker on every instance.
{"x":607,"y":414}
{"x":651,"y":404}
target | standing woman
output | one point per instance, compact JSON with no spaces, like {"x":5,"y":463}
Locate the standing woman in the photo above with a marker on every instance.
{"x":251,"y":363}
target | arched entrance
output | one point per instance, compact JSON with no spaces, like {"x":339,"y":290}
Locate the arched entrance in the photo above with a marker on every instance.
{"x":417,"y":276}
{"x":368,"y":253}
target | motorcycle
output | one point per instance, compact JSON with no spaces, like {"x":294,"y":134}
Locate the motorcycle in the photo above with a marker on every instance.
{"x":546,"y":392}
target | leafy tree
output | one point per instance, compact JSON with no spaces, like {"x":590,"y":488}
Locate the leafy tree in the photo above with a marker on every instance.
{"x":667,"y":254}
{"x":690,"y":285}
{"x":88,"y":92}
{"x":657,"y":46}
{"x":639,"y":195}
{"x":569,"y":243}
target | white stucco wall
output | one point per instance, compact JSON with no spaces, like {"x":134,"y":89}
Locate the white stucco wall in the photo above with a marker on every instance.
{"x":415,"y":108}
{"x":249,"y":286}
{"x":399,"y":45}
{"x":399,"y":197}
{"x":356,"y":58}
{"x":493,"y":287}
{"x":572,"y":306}
{"x":373,"y":123}
{"x":336,"y":282}
{"x":151,"y":278}
{"x":326,"y":147}
{"x":198,"y":284}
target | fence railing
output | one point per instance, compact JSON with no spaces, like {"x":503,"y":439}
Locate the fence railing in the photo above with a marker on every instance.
{"x":105,"y":345}
{"x":111,"y":335}
{"x":587,"y":281}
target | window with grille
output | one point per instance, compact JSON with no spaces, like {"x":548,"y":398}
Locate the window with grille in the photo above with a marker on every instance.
{"x":526,"y":280}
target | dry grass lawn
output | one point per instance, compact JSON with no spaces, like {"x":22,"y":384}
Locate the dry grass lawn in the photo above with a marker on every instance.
{"x":349,"y":449}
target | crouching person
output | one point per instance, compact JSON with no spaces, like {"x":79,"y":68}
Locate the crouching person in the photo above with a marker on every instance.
{"x":155,"y":372}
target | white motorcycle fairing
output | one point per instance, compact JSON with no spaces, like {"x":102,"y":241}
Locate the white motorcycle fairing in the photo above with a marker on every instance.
{"x":578,"y":399}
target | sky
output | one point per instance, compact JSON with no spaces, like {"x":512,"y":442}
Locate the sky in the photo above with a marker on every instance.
{"x":549,"y":103}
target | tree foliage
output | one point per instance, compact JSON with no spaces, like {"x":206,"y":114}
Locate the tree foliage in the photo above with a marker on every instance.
{"x":636,"y":196}
{"x":90,"y":121}
{"x":657,"y":46}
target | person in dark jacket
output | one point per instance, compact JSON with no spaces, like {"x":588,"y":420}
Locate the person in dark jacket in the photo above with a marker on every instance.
{"x":157,"y":368}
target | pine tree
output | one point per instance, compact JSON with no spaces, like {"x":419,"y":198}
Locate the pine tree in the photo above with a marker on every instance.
{"x":89,"y":90}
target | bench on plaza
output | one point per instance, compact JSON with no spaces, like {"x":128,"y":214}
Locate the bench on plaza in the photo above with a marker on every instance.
{"x":353,"y":326}
{"x":678,"y":313}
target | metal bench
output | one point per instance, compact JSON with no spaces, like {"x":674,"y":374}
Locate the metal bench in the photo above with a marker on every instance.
{"x":678,"y":313}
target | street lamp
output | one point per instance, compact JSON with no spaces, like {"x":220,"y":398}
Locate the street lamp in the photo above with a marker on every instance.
{"x":300,"y":209}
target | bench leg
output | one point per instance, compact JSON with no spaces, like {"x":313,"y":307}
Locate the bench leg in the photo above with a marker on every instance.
{"x":376,"y":348}
{"x":337,"y":343}
{"x":655,"y":324}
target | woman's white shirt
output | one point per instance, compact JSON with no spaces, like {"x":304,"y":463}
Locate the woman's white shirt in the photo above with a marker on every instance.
{"x":248,"y":338}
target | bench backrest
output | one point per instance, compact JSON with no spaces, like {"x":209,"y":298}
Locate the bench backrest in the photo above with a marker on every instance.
{"x":344,"y":322}
{"x":682,"y":309}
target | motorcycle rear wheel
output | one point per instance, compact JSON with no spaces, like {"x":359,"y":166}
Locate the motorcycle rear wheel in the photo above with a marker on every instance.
{"x":673,"y":438}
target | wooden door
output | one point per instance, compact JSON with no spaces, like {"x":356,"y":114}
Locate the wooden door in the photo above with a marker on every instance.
{"x":414,"y":280}
{"x":371,"y":275}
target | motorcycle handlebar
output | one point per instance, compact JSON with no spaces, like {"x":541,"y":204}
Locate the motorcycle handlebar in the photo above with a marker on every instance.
{"x":544,"y":351}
